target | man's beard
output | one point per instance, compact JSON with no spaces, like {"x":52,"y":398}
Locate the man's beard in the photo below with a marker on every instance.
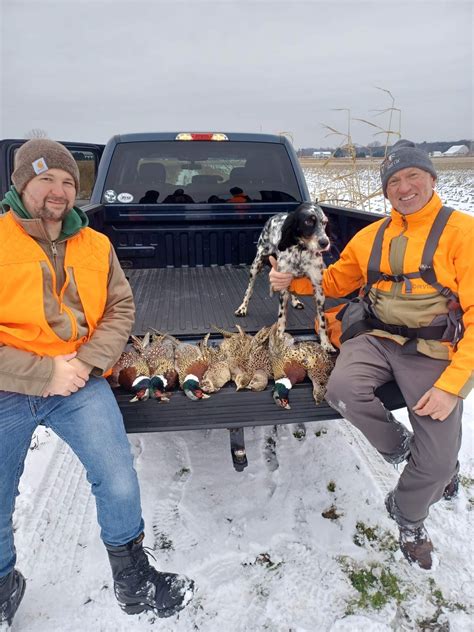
{"x":53,"y":216}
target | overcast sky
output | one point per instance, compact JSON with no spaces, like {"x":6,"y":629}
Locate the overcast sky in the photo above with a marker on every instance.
{"x":87,"y":70}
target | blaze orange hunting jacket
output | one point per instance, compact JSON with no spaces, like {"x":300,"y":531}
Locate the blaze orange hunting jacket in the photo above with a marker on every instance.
{"x":403,"y":244}
{"x":23,"y":320}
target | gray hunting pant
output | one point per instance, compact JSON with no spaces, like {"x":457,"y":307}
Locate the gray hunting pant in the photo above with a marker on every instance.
{"x":365,"y":363}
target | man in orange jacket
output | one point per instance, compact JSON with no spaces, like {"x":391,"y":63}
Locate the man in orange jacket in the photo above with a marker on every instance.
{"x":66,"y":312}
{"x":413,"y":322}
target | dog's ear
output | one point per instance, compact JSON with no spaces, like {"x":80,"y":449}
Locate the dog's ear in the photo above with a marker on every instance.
{"x":288,"y":233}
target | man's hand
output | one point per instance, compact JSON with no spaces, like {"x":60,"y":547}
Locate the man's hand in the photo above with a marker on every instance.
{"x":437,"y":403}
{"x":67,"y":377}
{"x":278,"y":280}
{"x":83,"y":369}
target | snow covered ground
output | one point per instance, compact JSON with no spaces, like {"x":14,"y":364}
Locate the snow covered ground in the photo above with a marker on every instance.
{"x":271,"y":549}
{"x":298,"y":542}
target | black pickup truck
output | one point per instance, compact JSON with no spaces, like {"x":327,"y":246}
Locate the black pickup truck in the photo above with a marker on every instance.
{"x":184,"y":212}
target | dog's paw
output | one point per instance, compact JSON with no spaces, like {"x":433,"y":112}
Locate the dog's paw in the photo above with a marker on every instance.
{"x":328,"y":348}
{"x":296,"y":303}
{"x":241,"y":311}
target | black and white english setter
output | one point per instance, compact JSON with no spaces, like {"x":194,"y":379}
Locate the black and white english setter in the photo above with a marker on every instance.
{"x":297,"y":240}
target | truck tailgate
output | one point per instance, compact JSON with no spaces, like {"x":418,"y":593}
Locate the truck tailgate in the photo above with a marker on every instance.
{"x":230,"y":409}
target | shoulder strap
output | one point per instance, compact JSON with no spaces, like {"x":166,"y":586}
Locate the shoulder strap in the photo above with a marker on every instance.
{"x":373,"y":266}
{"x":427,"y":271}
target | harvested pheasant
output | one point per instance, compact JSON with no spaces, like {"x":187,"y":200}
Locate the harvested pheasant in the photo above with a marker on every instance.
{"x":258,"y":365}
{"x":191,"y":366}
{"x":218,"y":373}
{"x":292,"y":361}
{"x":286,"y":367}
{"x":159,"y":355}
{"x":235,"y":348}
{"x":131,"y":371}
{"x":318,"y":364}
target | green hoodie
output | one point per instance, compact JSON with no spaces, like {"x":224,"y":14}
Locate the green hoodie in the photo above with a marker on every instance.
{"x":72,"y":223}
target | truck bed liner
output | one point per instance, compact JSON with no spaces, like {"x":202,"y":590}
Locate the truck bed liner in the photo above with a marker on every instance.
{"x":186,"y":302}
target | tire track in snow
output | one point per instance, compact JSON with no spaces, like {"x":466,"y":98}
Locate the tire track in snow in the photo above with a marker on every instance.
{"x":60,"y":520}
{"x":171,"y":521}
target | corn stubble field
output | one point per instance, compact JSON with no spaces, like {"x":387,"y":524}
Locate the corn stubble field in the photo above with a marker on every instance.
{"x":356,"y":184}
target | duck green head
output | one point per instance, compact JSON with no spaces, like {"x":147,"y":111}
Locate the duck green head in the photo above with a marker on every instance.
{"x":192,"y":388}
{"x":281,"y":392}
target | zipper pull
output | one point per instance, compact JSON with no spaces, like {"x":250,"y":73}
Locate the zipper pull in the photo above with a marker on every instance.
{"x":54,"y":250}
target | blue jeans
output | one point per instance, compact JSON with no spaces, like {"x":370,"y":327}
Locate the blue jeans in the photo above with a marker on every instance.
{"x":90,"y":422}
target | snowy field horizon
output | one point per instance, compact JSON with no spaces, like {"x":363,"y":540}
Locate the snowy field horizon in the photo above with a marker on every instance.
{"x":298,"y":542}
{"x":357,"y":185}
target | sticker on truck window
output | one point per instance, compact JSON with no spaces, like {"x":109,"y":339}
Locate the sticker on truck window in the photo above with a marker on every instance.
{"x":125,"y":197}
{"x":110,"y":196}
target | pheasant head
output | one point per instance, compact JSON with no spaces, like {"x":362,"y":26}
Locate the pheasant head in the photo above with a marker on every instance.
{"x":141,"y":388}
{"x":216,"y":376}
{"x":281,"y":393}
{"x":259,"y":381}
{"x":193,"y":389}
{"x":158,"y":386}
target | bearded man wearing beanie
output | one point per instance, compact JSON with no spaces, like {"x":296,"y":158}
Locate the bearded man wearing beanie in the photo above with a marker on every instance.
{"x":66,"y":312}
{"x":413,"y":322}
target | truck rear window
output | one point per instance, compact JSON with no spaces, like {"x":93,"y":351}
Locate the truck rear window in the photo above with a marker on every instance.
{"x":177,"y":172}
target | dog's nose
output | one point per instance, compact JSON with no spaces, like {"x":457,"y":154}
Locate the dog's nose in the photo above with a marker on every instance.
{"x":323,"y":242}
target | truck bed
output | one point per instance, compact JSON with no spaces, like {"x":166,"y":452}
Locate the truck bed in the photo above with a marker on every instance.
{"x":186,"y":302}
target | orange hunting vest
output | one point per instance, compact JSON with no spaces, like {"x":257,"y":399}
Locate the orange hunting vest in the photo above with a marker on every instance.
{"x":23,"y":322}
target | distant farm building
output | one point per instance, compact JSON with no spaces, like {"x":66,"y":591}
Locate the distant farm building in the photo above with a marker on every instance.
{"x":322,"y":154}
{"x":457,"y":150}
{"x":436,"y":154}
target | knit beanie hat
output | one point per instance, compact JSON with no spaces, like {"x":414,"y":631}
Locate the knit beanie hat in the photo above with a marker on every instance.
{"x":402,"y":155}
{"x":37,"y":156}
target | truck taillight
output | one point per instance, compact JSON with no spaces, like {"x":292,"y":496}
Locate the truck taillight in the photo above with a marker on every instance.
{"x":201,"y":136}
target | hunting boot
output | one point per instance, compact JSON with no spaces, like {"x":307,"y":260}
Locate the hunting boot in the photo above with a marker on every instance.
{"x":12,"y":589}
{"x":414,"y":541}
{"x":139,"y":587}
{"x":416,"y":546}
